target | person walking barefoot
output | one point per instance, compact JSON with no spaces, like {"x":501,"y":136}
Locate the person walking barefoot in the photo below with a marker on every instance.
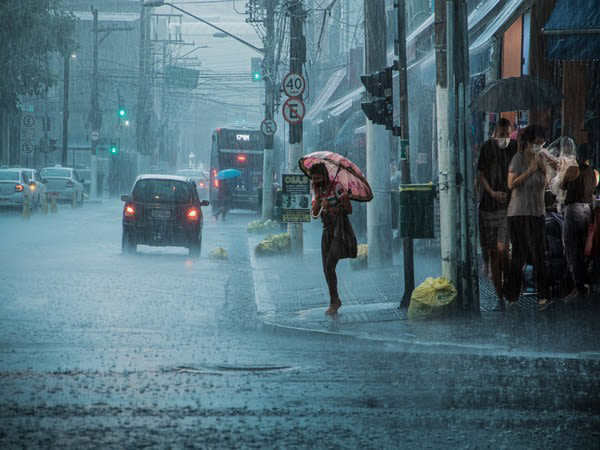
{"x":338,"y":241}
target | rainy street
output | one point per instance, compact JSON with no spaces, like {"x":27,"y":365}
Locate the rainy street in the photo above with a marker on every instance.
{"x":157,"y":349}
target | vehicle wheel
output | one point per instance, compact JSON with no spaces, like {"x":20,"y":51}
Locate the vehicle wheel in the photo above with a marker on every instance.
{"x":196,"y":247}
{"x":128,"y":244}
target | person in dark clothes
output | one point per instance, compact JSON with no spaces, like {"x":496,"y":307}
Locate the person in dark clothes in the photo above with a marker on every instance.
{"x":579,"y":182}
{"x":224,"y":199}
{"x":527,"y":182}
{"x":338,"y":241}
{"x":494,"y":160}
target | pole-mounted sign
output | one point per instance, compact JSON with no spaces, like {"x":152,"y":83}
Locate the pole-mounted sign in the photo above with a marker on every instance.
{"x":268,"y":127}
{"x":293,"y":110}
{"x":294,"y":84}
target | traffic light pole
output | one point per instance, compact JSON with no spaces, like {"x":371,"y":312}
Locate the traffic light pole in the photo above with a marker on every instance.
{"x":404,"y":153}
{"x":379,"y":224}
{"x":95,"y":113}
{"x":297,"y":59}
{"x":269,"y":80}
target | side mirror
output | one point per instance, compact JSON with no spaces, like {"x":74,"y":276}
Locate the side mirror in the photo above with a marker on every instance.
{"x":204,"y":203}
{"x":125,"y":198}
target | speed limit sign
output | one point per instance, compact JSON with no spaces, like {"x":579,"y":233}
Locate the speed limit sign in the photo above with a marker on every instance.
{"x":294,"y":84}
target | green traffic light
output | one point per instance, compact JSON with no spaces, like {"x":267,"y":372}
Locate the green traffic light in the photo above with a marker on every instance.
{"x":122,"y":112}
{"x":114,"y":150}
{"x":256,"y":76}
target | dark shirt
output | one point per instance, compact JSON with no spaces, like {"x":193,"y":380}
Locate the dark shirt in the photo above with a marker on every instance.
{"x":581,"y":189}
{"x":493,"y":164}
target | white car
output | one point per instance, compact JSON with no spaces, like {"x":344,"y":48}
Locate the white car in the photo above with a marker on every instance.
{"x":64,"y":182}
{"x":14,"y":188}
{"x":38,"y":186}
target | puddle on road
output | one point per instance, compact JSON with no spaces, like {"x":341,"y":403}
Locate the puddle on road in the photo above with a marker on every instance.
{"x":221,"y":369}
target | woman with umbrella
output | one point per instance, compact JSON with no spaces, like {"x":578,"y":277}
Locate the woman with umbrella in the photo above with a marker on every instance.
{"x":335,"y":181}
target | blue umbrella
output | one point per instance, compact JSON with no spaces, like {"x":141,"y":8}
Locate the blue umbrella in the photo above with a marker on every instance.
{"x":228,"y":173}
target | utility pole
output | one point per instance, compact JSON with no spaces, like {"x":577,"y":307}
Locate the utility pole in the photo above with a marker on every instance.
{"x":65,"y":130}
{"x":447,"y":176}
{"x":461,"y":159}
{"x":404,"y":153}
{"x":269,"y":79}
{"x":142,"y":93}
{"x":95,"y":112}
{"x":379,"y":224}
{"x":297,"y":60}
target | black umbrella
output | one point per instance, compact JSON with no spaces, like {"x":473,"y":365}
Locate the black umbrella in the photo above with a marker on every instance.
{"x":515,"y":94}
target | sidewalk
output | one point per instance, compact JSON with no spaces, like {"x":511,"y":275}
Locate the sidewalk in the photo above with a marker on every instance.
{"x":291,"y":294}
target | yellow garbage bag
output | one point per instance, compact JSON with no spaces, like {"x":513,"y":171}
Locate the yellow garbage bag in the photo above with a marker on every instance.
{"x":435,"y":297}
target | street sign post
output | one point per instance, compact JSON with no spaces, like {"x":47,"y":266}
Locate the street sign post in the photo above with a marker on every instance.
{"x":27,"y":133}
{"x":268,"y":127}
{"x":294,"y":84}
{"x":295,"y":198}
{"x":294,"y":110}
{"x":94,"y":135}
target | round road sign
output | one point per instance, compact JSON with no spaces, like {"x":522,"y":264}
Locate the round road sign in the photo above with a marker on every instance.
{"x":27,"y":147}
{"x":268,"y":127}
{"x":293,"y":110}
{"x":28,"y":120}
{"x":294,"y":84}
{"x":94,"y":135}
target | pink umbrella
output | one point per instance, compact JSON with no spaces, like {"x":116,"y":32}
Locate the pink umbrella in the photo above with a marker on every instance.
{"x":341,"y":170}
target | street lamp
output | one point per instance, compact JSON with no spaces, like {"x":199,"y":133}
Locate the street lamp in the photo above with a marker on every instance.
{"x":156,"y":3}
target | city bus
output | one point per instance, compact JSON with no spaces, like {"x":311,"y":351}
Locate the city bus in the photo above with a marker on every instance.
{"x":238,"y":148}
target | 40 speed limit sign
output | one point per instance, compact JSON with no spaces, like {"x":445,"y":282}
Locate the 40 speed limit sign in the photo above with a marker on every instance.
{"x":294,"y":84}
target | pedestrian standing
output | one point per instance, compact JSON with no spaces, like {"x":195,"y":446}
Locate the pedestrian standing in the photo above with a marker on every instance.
{"x":224,"y":199}
{"x":579,"y":182}
{"x":494,"y":161}
{"x":527,"y":182}
{"x":338,"y":241}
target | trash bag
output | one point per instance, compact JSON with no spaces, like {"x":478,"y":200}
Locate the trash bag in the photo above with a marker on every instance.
{"x":218,"y":253}
{"x":273,"y":245}
{"x":435,"y":297}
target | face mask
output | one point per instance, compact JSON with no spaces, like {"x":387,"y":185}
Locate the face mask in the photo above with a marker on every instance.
{"x":502,"y":142}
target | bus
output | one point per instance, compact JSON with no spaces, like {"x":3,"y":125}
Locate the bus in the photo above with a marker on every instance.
{"x":238,"y":148}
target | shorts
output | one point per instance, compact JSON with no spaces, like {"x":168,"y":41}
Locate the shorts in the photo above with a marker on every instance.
{"x":493,"y":228}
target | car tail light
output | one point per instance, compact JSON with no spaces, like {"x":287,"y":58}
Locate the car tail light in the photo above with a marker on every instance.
{"x":18,"y":188}
{"x":129,"y":211}
{"x":201,"y":184}
{"x":241,"y":158}
{"x":70,"y":183}
{"x":32,"y":186}
{"x":216,"y":183}
{"x":192,"y":214}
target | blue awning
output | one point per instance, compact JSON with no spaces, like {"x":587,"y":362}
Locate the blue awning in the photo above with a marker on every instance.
{"x":573,"y":30}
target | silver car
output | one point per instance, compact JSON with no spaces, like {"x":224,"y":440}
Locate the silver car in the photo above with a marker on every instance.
{"x":38,"y":186}
{"x":64,"y":182}
{"x":14,"y":188}
{"x":200,"y":178}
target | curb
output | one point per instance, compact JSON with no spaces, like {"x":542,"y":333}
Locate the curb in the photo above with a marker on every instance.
{"x":408,"y":345}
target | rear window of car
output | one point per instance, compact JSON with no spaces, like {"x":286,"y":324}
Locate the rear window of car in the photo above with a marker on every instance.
{"x":162,"y":191}
{"x":52,"y":172}
{"x":9,"y":175}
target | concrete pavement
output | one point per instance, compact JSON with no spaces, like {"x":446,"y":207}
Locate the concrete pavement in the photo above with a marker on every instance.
{"x":291,"y":294}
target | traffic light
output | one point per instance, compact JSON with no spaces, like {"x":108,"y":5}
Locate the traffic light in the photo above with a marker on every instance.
{"x":256,"y":68}
{"x":122,"y":112}
{"x":380,"y":107}
{"x":113,"y":149}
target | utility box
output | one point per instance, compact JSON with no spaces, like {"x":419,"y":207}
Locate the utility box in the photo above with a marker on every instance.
{"x":416,"y":211}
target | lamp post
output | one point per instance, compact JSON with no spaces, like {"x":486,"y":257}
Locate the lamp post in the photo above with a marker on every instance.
{"x":157,"y":3}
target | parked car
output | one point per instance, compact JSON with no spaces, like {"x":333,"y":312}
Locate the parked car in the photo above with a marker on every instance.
{"x":162,"y":210}
{"x":38,"y":186}
{"x":200,"y":178}
{"x":84,"y":173}
{"x":14,"y":188}
{"x":65,"y":182}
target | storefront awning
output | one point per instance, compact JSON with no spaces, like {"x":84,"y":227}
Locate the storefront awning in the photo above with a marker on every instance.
{"x":330,"y":87}
{"x":573,"y":30}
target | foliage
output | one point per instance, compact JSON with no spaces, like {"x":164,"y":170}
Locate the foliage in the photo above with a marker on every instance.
{"x":30,"y":31}
{"x":219,"y":253}
{"x":260,"y":226}
{"x":273,"y":245}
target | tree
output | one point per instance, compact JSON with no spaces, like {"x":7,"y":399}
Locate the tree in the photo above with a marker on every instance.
{"x":30,"y":30}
